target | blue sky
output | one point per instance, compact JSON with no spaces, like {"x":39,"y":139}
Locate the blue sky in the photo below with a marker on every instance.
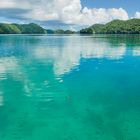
{"x":67,"y":14}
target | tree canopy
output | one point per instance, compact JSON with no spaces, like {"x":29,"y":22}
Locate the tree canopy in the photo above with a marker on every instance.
{"x":131,"y":26}
{"x":21,"y":29}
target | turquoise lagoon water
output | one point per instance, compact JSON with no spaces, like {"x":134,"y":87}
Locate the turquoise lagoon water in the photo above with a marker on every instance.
{"x":69,"y":87}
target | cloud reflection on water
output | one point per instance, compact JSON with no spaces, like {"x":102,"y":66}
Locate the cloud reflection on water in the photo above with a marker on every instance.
{"x":8,"y":65}
{"x":136,"y":52}
{"x":68,"y":56}
{"x":1,"y":99}
{"x":61,"y":54}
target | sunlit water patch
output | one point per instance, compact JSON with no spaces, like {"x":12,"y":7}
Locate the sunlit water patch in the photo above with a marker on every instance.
{"x":69,"y":87}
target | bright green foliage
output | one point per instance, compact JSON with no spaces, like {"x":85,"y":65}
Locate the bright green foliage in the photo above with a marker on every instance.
{"x":21,"y":29}
{"x":123,"y":27}
{"x":31,"y":29}
{"x":9,"y":29}
{"x":131,"y":26}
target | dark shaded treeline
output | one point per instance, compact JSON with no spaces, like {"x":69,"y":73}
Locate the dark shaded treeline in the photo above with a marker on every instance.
{"x":131,"y":26}
{"x":59,"y":31}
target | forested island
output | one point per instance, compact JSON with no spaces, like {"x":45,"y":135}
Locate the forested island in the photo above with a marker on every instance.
{"x":131,"y":26}
{"x":31,"y":28}
{"x":21,"y":29}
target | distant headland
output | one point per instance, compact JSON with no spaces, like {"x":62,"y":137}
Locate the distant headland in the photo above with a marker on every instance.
{"x":131,"y":26}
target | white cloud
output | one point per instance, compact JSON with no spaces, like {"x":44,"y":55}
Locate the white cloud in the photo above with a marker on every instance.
{"x":137,"y":15}
{"x":66,"y":11}
{"x":7,"y":4}
{"x":14,"y":4}
{"x":102,"y":15}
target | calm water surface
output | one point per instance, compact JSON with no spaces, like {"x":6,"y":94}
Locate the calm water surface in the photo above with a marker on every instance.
{"x":69,"y":87}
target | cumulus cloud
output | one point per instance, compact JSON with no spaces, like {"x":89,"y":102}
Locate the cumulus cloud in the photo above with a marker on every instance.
{"x":102,"y":15}
{"x":65,"y":11}
{"x":137,"y":15}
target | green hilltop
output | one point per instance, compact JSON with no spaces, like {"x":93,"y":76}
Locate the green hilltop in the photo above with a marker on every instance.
{"x":29,"y":29}
{"x":131,"y":26}
{"x":21,"y":29}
